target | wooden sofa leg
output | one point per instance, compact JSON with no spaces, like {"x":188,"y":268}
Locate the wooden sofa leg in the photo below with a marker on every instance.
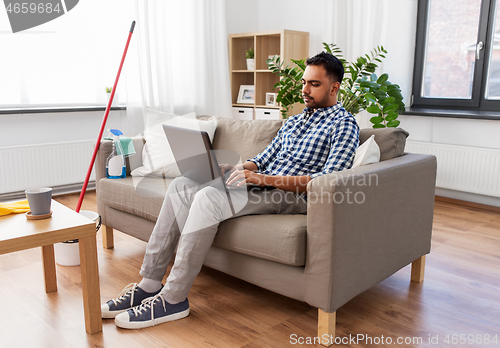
{"x":107,"y":237}
{"x":326,"y":326}
{"x":417,"y":270}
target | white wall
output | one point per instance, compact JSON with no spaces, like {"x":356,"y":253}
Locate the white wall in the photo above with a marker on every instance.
{"x":260,"y":15}
{"x":242,"y":16}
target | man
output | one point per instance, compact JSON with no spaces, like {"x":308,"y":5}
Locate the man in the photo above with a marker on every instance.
{"x":321,"y":140}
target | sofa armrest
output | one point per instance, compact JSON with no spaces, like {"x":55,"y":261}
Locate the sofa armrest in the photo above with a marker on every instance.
{"x":105,"y":148}
{"x":364,"y":224}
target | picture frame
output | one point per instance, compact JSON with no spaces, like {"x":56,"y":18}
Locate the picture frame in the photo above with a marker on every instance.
{"x":271,"y":99}
{"x":246,"y":94}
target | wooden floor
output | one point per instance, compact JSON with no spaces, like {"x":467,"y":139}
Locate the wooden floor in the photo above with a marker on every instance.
{"x":460,"y":295}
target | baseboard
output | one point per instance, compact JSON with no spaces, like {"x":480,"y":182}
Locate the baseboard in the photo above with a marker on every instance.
{"x":467,"y":204}
{"x":56,"y":191}
{"x":468,"y":197}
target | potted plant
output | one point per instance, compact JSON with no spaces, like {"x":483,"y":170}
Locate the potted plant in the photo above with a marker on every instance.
{"x":249,"y":54}
{"x":108,"y":95}
{"x":361,"y":88}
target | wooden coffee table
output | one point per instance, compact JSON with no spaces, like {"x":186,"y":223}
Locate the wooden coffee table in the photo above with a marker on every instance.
{"x":18,"y":233}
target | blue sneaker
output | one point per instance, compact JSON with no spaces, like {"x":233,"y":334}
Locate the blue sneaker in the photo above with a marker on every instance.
{"x":131,"y":296}
{"x":152,"y":311}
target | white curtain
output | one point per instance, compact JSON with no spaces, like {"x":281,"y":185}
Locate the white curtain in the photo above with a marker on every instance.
{"x":179,"y":62}
{"x":358,"y":26}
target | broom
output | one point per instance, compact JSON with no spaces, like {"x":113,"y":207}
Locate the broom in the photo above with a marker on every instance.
{"x":103,"y":125}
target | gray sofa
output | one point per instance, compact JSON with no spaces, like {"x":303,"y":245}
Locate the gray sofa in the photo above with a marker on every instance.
{"x":362,"y":224}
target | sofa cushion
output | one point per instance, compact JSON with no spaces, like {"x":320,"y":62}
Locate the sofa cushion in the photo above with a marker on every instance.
{"x":247,"y":138}
{"x":139,"y":196}
{"x":391,"y":141}
{"x":280,"y":238}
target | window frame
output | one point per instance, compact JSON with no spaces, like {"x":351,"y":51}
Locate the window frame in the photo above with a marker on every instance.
{"x":477,"y":101}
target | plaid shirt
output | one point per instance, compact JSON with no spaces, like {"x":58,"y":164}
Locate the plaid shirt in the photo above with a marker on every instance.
{"x":312,"y":143}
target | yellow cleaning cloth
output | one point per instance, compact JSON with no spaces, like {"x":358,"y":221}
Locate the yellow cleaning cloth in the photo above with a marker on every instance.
{"x":14,"y":207}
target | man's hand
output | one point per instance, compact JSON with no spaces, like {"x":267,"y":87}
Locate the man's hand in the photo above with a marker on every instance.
{"x":230,"y":168}
{"x":225,"y":167}
{"x":240,"y":177}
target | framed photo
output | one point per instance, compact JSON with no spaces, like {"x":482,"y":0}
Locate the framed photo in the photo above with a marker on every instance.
{"x":271,"y":99}
{"x":246,"y":94}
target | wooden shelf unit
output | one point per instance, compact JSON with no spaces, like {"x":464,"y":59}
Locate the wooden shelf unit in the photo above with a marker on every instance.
{"x":288,"y":44}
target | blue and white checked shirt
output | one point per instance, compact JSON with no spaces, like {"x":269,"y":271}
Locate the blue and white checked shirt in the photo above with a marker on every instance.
{"x":312,"y":144}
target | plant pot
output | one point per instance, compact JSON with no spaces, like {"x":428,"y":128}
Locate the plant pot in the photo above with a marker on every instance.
{"x":251,"y":64}
{"x":115,"y":100}
{"x":68,"y":253}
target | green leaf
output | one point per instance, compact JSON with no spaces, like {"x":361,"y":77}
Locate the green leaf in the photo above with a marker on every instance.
{"x":391,"y":116}
{"x":364,"y":83}
{"x":389,"y":108}
{"x":389,"y":100}
{"x":373,"y":77}
{"x":377,"y":119}
{"x":379,"y":125}
{"x":300,"y":63}
{"x":394,"y":93}
{"x":393,"y":123}
{"x":370,"y":97}
{"x":373,"y":109}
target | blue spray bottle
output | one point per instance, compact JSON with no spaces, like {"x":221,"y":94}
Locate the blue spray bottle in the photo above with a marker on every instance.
{"x":115,"y":164}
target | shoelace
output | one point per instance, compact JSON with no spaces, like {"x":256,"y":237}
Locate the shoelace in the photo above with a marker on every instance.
{"x":128,"y":291}
{"x":147,"y":304}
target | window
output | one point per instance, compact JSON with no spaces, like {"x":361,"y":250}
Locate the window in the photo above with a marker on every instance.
{"x":457,"y":57}
{"x":68,"y":61}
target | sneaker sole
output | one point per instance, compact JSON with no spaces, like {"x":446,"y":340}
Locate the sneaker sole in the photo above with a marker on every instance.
{"x":113,"y":314}
{"x":144,"y":324}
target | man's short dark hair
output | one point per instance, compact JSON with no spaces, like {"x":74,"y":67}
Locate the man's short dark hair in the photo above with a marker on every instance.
{"x":333,"y":66}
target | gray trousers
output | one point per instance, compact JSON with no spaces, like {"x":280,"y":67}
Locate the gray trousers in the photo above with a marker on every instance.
{"x":189,"y":218}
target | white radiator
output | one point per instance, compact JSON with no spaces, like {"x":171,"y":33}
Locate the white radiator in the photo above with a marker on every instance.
{"x":51,"y":165}
{"x":463,"y":168}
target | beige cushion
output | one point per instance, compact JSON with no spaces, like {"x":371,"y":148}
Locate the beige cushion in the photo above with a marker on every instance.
{"x":280,"y":238}
{"x":139,"y":196}
{"x":391,"y":141}
{"x":247,"y":138}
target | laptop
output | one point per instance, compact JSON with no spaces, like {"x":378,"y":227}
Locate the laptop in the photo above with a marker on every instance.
{"x":195,"y":157}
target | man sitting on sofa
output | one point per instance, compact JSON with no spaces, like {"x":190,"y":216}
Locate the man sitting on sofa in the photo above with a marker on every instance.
{"x":323,"y":139}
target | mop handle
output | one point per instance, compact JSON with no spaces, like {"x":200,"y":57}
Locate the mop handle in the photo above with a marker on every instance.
{"x":103,"y":125}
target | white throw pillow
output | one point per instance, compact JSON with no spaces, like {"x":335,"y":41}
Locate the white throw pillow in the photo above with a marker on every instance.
{"x":157,"y":157}
{"x":367,"y":153}
{"x":153,"y":117}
